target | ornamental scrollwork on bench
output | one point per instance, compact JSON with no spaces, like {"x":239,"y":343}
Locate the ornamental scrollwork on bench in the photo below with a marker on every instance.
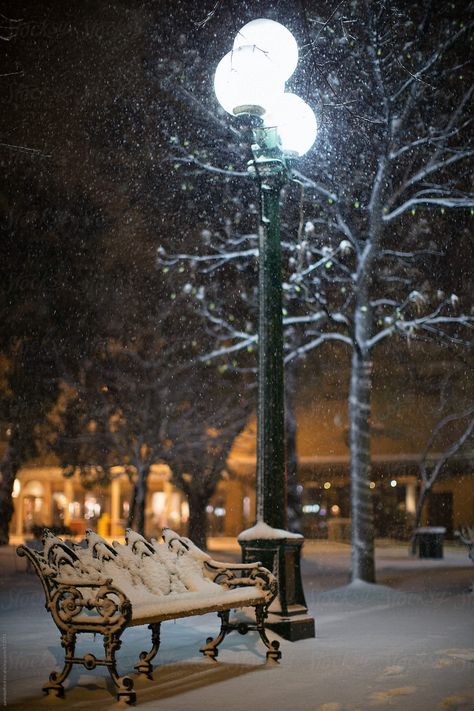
{"x":234,"y":576}
{"x":113,"y":610}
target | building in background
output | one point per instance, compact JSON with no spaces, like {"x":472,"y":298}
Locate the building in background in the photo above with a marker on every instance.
{"x":405,"y":410}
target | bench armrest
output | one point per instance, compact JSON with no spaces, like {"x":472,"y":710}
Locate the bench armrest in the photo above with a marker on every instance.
{"x":82,"y":606}
{"x":231,"y":566}
{"x":243,"y":575}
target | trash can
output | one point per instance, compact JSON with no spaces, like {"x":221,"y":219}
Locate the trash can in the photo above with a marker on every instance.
{"x":430,"y":541}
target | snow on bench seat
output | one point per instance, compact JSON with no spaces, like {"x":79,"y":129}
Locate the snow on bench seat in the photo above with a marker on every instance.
{"x":187,"y":604}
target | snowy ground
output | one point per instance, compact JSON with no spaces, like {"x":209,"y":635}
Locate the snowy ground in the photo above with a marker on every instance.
{"x":406,"y":644}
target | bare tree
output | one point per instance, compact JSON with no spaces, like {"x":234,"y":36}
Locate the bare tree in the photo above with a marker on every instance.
{"x":432,"y":466}
{"x":146,"y":401}
{"x":46,"y":326}
{"x":201,"y":434}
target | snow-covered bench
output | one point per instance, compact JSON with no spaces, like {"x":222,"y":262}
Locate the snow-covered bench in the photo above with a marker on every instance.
{"x":101,"y":588}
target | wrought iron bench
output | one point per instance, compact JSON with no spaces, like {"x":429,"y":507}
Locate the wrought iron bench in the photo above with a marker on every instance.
{"x":102,"y":588}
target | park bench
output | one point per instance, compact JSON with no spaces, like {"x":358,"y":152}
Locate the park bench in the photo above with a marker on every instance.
{"x":95,"y":587}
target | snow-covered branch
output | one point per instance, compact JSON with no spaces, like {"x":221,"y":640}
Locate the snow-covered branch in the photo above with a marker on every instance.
{"x":227,"y":350}
{"x":434,"y":167}
{"x":208,"y":168}
{"x":314,"y":343}
{"x":431,"y":324}
{"x":449,"y":202}
{"x":431,"y":140}
{"x":318,"y":187}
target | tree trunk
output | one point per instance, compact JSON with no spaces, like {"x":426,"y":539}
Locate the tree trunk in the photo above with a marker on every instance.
{"x":293,"y":494}
{"x":197,"y":524}
{"x":137,"y":518}
{"x":142,"y":490}
{"x":424,"y":491}
{"x":9,"y":468}
{"x":132,"y":507}
{"x":363,"y":567}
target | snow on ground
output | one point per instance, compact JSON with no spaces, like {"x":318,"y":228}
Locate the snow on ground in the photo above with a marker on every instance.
{"x":407,"y":643}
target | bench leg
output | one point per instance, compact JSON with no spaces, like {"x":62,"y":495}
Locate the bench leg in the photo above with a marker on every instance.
{"x":123,"y":684}
{"x":55,"y":684}
{"x":210,"y":648}
{"x":273,"y":648}
{"x":144,"y":666}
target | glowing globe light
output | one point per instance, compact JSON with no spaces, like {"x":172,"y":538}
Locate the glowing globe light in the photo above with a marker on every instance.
{"x":274,"y":40}
{"x":296,"y":124}
{"x":247,"y":81}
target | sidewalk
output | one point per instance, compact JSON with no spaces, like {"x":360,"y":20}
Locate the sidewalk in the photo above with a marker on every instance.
{"x":407,"y":643}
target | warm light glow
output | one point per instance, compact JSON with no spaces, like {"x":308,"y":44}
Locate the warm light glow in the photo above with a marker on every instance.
{"x":372,"y":485}
{"x":60,"y":499}
{"x":184,"y":511}
{"x":393,"y":483}
{"x":335,"y":509}
{"x":410,"y":498}
{"x":274,"y":40}
{"x":327,"y":484}
{"x":75,"y":509}
{"x":247,"y":81}
{"x":175,"y":512}
{"x":33,"y":488}
{"x":296,"y":123}
{"x":16,"y":488}
{"x":158,"y":502}
{"x":91,"y":507}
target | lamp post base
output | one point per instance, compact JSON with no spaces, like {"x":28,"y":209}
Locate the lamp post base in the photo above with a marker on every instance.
{"x":292,"y":628}
{"x":288,"y":613}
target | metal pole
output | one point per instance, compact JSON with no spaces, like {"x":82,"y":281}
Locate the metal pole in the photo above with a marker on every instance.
{"x":282,"y":553}
{"x":271,"y":470}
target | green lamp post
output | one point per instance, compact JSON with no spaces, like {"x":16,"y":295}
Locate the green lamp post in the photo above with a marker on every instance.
{"x":250,"y":83}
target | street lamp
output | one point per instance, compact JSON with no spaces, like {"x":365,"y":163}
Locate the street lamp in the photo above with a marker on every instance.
{"x":250,"y":83}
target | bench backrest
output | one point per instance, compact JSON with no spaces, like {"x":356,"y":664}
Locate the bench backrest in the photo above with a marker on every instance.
{"x":139,"y":568}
